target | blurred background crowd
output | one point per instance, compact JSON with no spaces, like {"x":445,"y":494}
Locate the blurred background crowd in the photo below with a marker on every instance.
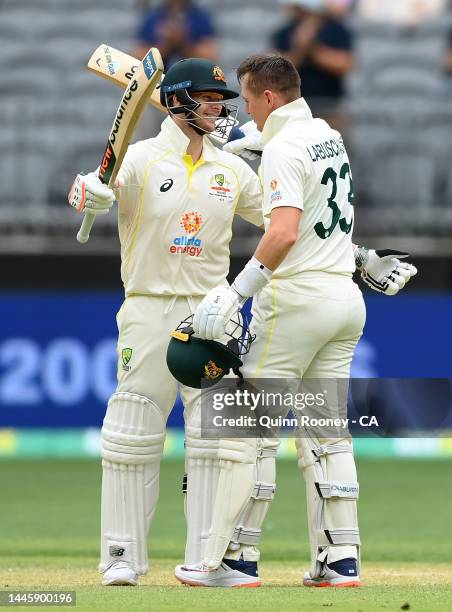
{"x":378,"y":70}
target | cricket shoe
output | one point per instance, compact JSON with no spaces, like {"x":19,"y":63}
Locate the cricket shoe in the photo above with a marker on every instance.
{"x":120,"y":574}
{"x":230,"y":573}
{"x":343,"y":573}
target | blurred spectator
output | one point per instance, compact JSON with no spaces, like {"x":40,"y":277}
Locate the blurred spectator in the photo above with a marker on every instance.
{"x":400,"y":12}
{"x":320,"y":44}
{"x":447,"y":62}
{"x":179,"y":28}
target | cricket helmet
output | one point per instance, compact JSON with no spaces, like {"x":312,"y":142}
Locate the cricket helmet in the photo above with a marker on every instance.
{"x":198,"y":75}
{"x":196,"y":362}
{"x":192,"y":75}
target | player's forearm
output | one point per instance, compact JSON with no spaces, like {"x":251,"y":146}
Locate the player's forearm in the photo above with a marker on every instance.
{"x":274,"y":246}
{"x":335,"y":61}
{"x":270,"y":253}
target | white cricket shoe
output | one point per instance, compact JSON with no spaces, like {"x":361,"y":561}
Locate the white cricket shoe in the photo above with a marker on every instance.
{"x":343,"y":573}
{"x":120,"y":574}
{"x":230,"y":573}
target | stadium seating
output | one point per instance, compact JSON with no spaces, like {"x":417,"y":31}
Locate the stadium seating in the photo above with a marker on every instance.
{"x":398,"y":111}
{"x":56,"y":116}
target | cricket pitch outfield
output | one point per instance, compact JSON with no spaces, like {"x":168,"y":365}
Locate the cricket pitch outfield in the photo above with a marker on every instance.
{"x":50,"y":532}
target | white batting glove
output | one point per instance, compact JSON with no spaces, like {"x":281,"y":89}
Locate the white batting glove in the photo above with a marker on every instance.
{"x":213,"y":313}
{"x":89,"y":194}
{"x":250,"y":145}
{"x":382,"y":270}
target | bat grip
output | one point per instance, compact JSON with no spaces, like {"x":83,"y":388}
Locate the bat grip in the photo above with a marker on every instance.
{"x":85,"y":228}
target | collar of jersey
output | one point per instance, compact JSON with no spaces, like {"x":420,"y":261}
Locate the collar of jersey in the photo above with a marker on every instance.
{"x":175,"y":139}
{"x":298,"y":110}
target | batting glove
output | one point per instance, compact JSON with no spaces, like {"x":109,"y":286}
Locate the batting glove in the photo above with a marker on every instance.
{"x":382,"y":270}
{"x":215,"y":311}
{"x":89,"y":194}
{"x":247,"y":141}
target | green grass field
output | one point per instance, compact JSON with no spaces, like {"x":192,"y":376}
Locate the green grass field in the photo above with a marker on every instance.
{"x":49,"y":534}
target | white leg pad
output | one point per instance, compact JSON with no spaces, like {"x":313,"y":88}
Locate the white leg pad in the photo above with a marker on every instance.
{"x":236,"y":481}
{"x":247,"y":533}
{"x":133,"y":436}
{"x":200,"y":487}
{"x":332,"y":489}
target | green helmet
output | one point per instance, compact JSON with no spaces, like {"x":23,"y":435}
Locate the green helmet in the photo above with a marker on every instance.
{"x":196,"y":362}
{"x":191,"y":75}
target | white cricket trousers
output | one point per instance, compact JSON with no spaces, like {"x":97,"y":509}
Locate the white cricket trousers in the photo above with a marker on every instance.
{"x":307,"y":327}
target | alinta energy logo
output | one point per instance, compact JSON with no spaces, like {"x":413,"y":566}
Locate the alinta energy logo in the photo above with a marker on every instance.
{"x":191,"y":223}
{"x":275,"y":195}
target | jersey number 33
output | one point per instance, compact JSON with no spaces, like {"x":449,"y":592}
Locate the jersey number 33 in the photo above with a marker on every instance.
{"x":331,"y":176}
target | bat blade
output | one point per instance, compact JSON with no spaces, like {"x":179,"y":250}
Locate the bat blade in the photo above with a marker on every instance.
{"x":118,"y":68}
{"x":145,"y":79}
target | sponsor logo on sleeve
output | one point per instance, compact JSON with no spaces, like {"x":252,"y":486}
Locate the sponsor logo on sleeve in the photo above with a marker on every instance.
{"x":275,"y":195}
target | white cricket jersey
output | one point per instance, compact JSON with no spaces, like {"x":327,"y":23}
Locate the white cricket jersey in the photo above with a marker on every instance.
{"x":175,"y":217}
{"x":305,"y":165}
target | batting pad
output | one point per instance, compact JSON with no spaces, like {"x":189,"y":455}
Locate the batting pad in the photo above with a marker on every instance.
{"x":132,"y":436}
{"x":200,"y":484}
{"x":201,"y":487}
{"x":247,"y":533}
{"x":235,"y":487}
{"x":332,"y":489}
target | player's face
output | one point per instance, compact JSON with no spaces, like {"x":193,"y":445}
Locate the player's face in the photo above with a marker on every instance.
{"x":209,"y":109}
{"x":258,"y":105}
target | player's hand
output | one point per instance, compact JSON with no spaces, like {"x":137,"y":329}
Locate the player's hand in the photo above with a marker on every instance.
{"x":382,"y":270}
{"x":214,"y":312}
{"x":247,"y":143}
{"x":89,"y":194}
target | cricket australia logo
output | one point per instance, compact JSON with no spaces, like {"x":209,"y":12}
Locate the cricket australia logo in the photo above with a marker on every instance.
{"x":218,"y":74}
{"x":212,"y":371}
{"x":220,"y":187}
{"x":126,"y":356}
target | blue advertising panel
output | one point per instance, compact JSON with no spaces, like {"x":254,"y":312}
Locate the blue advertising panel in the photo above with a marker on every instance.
{"x":58,"y":357}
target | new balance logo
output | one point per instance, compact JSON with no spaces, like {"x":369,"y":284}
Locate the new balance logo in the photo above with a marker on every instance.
{"x":117,"y":551}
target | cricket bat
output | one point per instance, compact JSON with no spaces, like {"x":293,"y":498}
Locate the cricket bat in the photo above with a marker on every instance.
{"x":118,"y":68}
{"x":146,"y":75}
